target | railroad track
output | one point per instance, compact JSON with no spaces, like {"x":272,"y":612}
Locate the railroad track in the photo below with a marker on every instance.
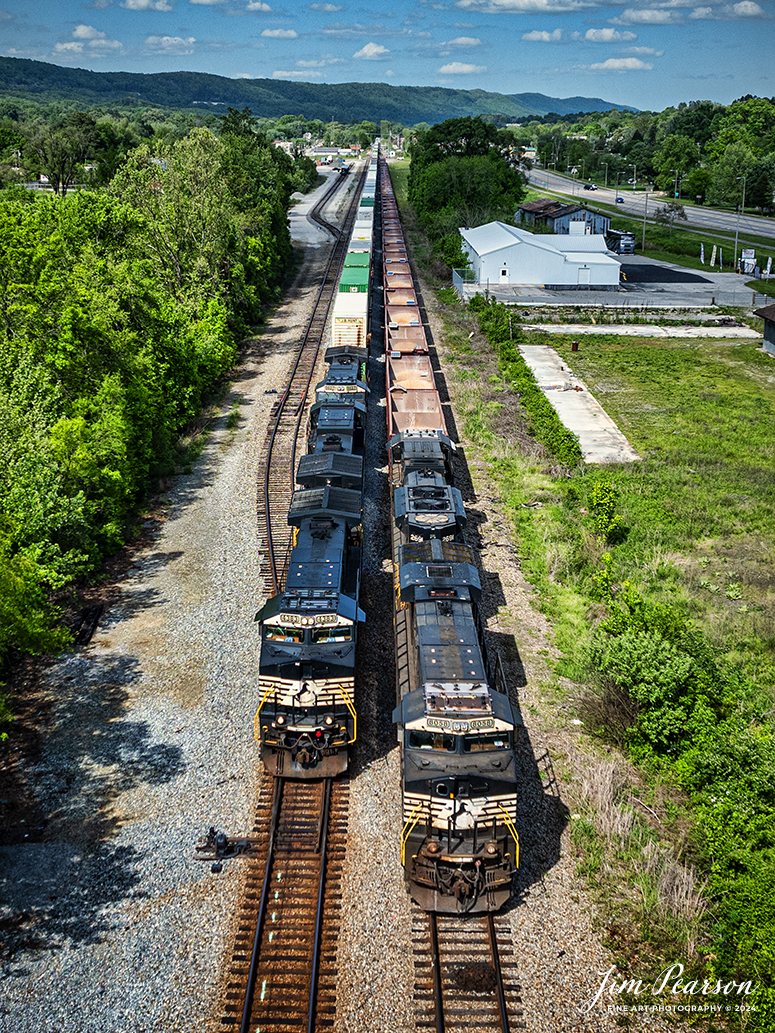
{"x":283,"y":971}
{"x":278,"y":462}
{"x":466,"y":975}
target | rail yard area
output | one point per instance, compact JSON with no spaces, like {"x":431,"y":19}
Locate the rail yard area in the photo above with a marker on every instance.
{"x":141,"y":741}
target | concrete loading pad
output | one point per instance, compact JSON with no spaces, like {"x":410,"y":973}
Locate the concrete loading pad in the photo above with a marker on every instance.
{"x":600,"y":439}
{"x":644,"y":330}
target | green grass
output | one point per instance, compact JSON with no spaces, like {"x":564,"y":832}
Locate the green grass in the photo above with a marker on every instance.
{"x":762,"y":287}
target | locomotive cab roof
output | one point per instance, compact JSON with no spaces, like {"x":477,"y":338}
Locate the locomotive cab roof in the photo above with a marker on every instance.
{"x":309,"y":602}
{"x":458,"y":707}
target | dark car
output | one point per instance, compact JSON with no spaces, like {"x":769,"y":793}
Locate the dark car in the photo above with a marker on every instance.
{"x":620,"y":200}
{"x":590,"y":186}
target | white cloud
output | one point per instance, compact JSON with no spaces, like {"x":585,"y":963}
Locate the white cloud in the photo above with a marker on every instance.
{"x":146,"y":5}
{"x":747,"y":9}
{"x":608,"y":35}
{"x":541,"y":36}
{"x":458,"y":68}
{"x":644,"y":50}
{"x":462,"y":41}
{"x":258,"y":5}
{"x":371,"y":52}
{"x":88,"y":36}
{"x":207,"y":3}
{"x":326,"y":8}
{"x":243,"y":75}
{"x":295,"y":75}
{"x":280,"y":33}
{"x":644,"y":17}
{"x":329,"y":59}
{"x":622,"y":64}
{"x":701,"y":12}
{"x":87,"y":32}
{"x":524,"y":6}
{"x":171,"y":44}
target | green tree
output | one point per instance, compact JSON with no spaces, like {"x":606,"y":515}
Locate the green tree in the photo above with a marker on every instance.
{"x":727,"y":183}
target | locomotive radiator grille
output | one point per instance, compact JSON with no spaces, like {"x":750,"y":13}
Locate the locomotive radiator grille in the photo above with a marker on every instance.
{"x":502,"y":808}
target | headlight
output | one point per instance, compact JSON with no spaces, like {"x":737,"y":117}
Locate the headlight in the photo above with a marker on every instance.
{"x":329,"y":720}
{"x":281,"y":719}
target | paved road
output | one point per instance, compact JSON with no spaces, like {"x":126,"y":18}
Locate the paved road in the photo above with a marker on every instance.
{"x":635,"y":201}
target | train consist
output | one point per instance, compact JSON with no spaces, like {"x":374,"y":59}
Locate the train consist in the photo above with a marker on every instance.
{"x":459,"y":844}
{"x":456,"y":726}
{"x":306,"y":720}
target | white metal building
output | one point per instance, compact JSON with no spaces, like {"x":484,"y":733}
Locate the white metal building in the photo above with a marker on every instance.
{"x":502,"y":255}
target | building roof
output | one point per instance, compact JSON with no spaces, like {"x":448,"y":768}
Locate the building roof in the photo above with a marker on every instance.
{"x":543,"y":204}
{"x":582,"y":242}
{"x":766,"y":313}
{"x":496,"y":236}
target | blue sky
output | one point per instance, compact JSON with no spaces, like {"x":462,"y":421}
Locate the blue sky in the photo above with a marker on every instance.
{"x":643,"y":53}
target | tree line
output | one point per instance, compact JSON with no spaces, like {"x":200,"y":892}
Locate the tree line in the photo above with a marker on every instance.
{"x":705,"y":152}
{"x":464,"y":172}
{"x":120,"y":306}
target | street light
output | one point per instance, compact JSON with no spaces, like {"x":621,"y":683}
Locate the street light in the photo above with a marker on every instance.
{"x":737,"y":225}
{"x":606,"y":173}
{"x":634,"y":175}
{"x":645,"y":209}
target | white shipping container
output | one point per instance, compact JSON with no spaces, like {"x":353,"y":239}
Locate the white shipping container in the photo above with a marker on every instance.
{"x":349,"y":323}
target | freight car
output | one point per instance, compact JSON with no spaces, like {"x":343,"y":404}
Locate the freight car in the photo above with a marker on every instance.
{"x":306,"y":720}
{"x":456,"y":726}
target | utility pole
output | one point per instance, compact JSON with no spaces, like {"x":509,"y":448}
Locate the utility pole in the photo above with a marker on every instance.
{"x":737,"y":225}
{"x":645,"y":209}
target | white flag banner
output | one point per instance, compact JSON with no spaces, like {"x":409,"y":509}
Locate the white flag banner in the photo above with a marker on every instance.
{"x":769,"y":266}
{"x":713,"y":257}
{"x":721,"y":258}
{"x":702,"y":253}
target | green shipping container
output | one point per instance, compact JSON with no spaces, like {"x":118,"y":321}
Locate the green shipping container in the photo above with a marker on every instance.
{"x":354,"y":279}
{"x":357,"y":258}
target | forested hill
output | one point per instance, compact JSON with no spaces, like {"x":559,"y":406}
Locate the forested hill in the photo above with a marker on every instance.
{"x":343,"y":102}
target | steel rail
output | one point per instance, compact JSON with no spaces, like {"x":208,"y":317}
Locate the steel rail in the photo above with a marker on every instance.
{"x":496,"y":964}
{"x":314,"y":330}
{"x":322,"y":847}
{"x":253,"y":971}
{"x":438,"y":993}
